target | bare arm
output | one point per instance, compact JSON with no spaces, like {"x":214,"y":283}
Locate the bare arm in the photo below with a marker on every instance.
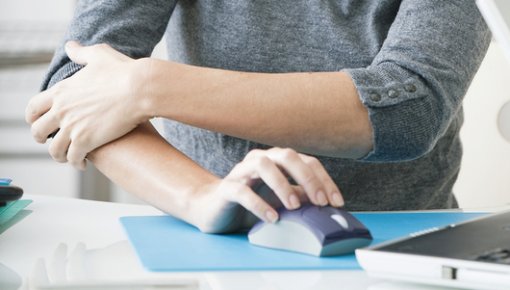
{"x":318,"y":113}
{"x":90,"y":114}
{"x":145,"y":164}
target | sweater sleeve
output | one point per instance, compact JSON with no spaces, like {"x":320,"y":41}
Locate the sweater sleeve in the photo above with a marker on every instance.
{"x":131,"y":27}
{"x":415,"y":85}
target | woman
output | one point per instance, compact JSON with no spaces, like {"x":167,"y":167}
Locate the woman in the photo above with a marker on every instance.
{"x":372,"y":89}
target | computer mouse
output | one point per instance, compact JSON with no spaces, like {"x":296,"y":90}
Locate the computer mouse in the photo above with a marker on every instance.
{"x":313,"y":230}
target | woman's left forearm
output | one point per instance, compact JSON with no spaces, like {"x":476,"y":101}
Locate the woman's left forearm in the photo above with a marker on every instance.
{"x":318,"y":113}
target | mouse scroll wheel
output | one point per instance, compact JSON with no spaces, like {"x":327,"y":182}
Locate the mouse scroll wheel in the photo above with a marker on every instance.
{"x":340,"y":220}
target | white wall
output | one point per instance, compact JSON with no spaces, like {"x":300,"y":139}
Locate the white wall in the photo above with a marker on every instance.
{"x":485,"y":173}
{"x":21,"y":158}
{"x":36,"y":10}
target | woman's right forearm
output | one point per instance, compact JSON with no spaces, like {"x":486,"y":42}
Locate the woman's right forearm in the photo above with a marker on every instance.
{"x":143,"y":163}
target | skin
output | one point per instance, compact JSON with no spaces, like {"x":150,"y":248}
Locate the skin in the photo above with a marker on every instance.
{"x":102,"y":115}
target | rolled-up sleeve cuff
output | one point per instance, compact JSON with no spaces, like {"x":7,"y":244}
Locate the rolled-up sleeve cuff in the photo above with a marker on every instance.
{"x":401,"y":112}
{"x":62,"y":73}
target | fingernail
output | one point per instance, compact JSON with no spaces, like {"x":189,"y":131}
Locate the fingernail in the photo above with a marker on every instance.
{"x":337,"y":199}
{"x":294,"y":201}
{"x":271,"y":216}
{"x":321,"y":198}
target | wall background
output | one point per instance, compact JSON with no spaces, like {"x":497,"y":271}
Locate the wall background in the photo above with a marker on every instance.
{"x":484,"y":179}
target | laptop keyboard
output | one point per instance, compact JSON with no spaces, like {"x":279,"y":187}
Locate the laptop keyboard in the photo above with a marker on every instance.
{"x":498,"y":255}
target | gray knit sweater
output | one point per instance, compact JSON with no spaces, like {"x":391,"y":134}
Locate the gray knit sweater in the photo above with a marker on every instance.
{"x":411,"y":61}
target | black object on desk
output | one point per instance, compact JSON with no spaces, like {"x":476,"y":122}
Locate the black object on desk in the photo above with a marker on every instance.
{"x":9,"y":193}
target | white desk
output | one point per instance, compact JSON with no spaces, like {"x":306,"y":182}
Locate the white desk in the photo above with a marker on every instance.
{"x":50,"y":221}
{"x":109,"y":256}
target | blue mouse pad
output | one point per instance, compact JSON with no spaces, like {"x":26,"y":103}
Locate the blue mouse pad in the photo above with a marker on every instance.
{"x":164,"y":243}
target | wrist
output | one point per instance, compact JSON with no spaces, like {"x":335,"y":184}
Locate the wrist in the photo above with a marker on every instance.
{"x":142,"y":81}
{"x":202,"y":201}
{"x":173,"y":90}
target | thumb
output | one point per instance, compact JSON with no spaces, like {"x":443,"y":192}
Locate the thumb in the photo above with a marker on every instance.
{"x":78,"y":53}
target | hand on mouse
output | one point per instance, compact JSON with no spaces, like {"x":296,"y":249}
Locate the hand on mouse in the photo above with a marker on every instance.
{"x":98,"y":104}
{"x":231,"y":203}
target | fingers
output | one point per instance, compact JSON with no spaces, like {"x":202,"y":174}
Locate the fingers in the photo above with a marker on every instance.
{"x":76,"y":156}
{"x":52,"y":109}
{"x":244,"y":195}
{"x":63,"y":150}
{"x":59,"y":146}
{"x":38,"y":105}
{"x":80,"y":54}
{"x":331,"y":189}
{"x":86,"y":54}
{"x":265,"y":169}
{"x":302,"y":174}
{"x":44,"y":126}
{"x":313,"y":182}
{"x":300,"y":192}
{"x":307,"y":172}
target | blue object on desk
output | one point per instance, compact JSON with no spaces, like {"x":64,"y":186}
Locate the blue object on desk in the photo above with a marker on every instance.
{"x":164,"y":243}
{"x":11,"y":213}
{"x":5,"y":181}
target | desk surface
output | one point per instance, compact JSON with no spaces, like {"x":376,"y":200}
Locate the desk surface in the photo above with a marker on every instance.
{"x":50,"y":221}
{"x":109,"y":256}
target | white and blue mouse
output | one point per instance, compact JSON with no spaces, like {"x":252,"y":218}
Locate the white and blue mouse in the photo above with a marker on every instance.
{"x":313,"y":230}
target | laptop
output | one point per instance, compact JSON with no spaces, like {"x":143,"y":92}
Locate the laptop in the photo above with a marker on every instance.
{"x":474,"y":255}
{"x":471,"y":255}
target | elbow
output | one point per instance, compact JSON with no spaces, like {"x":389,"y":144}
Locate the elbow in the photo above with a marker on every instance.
{"x":410,"y":113}
{"x":405,"y":147}
{"x":407,"y":131}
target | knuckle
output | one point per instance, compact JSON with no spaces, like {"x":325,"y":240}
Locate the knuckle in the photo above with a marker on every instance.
{"x":253,"y":153}
{"x":262,"y":162}
{"x":288,"y":154}
{"x":59,"y":109}
{"x":312,"y":161}
{"x":274,"y":149}
{"x":59,"y":114}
